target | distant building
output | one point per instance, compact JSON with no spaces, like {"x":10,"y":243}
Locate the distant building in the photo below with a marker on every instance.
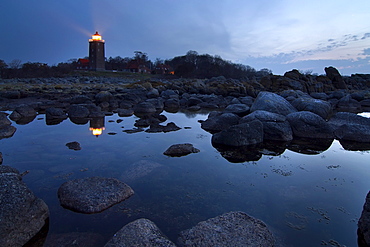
{"x":136,"y":67}
{"x":83,"y":64}
{"x":164,"y":69}
{"x":96,"y":53}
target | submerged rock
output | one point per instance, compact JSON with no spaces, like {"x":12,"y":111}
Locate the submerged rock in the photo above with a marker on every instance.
{"x":229,"y":229}
{"x":364,"y":224}
{"x":74,"y":145}
{"x":93,"y":195}
{"x":22,"y":214}
{"x":178,"y":150}
{"x":141,"y":232}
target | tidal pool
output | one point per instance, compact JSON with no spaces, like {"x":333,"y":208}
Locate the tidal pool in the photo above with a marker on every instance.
{"x":306,"y":200}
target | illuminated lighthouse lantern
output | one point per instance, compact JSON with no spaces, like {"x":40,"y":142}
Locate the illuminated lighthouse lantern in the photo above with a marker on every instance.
{"x":96,"y":53}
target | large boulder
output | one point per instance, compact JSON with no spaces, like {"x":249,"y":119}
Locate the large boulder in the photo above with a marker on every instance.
{"x":23,"y":114}
{"x":218,"y":121}
{"x":93,"y":194}
{"x":350,"y":127}
{"x":78,"y":111}
{"x":141,"y":232}
{"x":273,"y":103}
{"x":103,"y":96}
{"x":319,"y":107}
{"x":240,"y":135}
{"x":229,"y":229}
{"x":309,"y":125}
{"x":275,"y":126}
{"x":54,"y":115}
{"x":333,"y":74}
{"x":22,"y":214}
{"x":364,"y":224}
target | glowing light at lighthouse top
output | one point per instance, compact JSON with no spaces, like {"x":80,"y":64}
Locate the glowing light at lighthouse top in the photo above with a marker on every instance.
{"x":96,"y":37}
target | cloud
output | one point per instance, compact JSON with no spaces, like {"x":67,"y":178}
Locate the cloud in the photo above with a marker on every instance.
{"x":366,"y":52}
{"x":366,"y":35}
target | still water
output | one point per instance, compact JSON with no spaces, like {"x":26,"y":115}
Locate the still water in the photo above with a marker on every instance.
{"x":306,"y":200}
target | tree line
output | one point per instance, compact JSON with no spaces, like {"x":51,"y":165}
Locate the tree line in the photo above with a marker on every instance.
{"x":190,"y":65}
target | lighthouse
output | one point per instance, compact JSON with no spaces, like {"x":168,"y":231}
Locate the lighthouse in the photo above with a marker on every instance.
{"x":96,"y":53}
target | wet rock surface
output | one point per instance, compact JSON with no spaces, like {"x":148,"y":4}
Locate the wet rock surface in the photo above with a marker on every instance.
{"x":93,"y":195}
{"x":22,"y":214}
{"x":178,"y":150}
{"x":141,"y":232}
{"x":364,"y":224}
{"x":229,"y":229}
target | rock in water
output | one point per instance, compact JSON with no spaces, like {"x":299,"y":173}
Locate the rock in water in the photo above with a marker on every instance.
{"x":307,"y":124}
{"x":141,"y":232}
{"x":74,"y":145}
{"x":243,"y":134}
{"x":230,"y":229}
{"x":364,"y":224}
{"x":178,"y":150}
{"x":22,"y":214}
{"x":93,"y":195}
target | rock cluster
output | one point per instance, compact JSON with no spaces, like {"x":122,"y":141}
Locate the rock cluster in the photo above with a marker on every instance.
{"x":229,"y":229}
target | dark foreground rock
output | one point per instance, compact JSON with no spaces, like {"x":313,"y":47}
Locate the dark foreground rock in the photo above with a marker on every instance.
{"x":243,"y":134}
{"x":22,"y":214}
{"x":141,"y":232}
{"x":364,"y":224}
{"x":230,"y":229}
{"x":93,"y":195}
{"x":178,"y":150}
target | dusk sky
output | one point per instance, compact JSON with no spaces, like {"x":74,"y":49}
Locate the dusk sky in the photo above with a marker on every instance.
{"x":280,"y":35}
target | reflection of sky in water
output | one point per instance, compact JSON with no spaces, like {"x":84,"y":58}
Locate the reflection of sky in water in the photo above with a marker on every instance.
{"x":305,"y":199}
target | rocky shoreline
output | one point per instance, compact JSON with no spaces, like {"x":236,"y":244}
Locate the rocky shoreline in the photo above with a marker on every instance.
{"x":244,"y":113}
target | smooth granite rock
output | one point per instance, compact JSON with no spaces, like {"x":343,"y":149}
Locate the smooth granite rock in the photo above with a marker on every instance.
{"x":229,"y":229}
{"x":93,"y":194}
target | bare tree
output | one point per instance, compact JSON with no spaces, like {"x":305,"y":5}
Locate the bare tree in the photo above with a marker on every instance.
{"x":15,"y":64}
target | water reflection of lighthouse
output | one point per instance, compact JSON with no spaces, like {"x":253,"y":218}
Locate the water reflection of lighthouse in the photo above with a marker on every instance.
{"x":97,"y":126}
